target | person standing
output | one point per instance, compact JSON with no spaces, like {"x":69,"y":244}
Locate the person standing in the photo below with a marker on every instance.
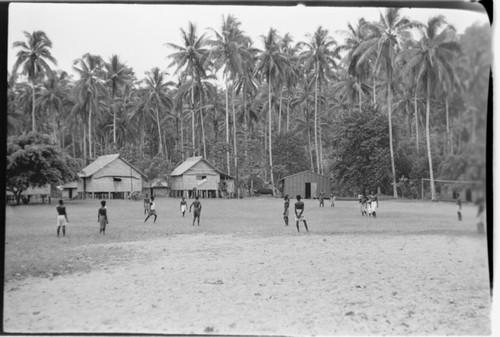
{"x":459,"y":207}
{"x":197,"y":210}
{"x":286,"y":209}
{"x":62,"y":218}
{"x":332,"y":200}
{"x":183,"y":206}
{"x":299,"y":213}
{"x":322,"y":199}
{"x":374,"y":204}
{"x":152,"y":209}
{"x":102,"y":217}
{"x":146,"y":204}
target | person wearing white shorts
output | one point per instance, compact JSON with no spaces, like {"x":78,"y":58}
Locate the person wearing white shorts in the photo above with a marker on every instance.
{"x":299,"y":213}
{"x":62,"y":218}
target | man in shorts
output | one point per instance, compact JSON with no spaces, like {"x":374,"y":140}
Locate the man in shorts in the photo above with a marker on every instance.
{"x":62,"y":218}
{"x":286,"y":210}
{"x":183,"y":206}
{"x":152,"y":209}
{"x":299,"y":213}
{"x":322,"y":199}
{"x":197,"y":210}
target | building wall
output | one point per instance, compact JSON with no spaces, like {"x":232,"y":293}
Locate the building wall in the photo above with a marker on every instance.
{"x":176,"y":183}
{"x":191,"y":181}
{"x":296,"y":184}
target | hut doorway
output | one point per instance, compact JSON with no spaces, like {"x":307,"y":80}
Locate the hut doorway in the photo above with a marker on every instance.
{"x":308,"y":191}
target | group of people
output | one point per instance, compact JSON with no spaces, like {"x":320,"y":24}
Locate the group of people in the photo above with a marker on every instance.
{"x":322,"y":199}
{"x":368,"y":204}
{"x":299,"y":212}
{"x":62,"y":218}
{"x":150,"y":208}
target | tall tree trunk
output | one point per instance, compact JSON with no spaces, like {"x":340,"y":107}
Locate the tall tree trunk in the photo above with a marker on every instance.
{"x":90,"y":132}
{"x":192,"y":117}
{"x":389,"y":109}
{"x":227,"y":127}
{"x":309,"y":150}
{"x":203,"y":135}
{"x":447,"y":126}
{"x":270,"y":136}
{"x":160,"y":144}
{"x":114,"y":125}
{"x":279,"y":114}
{"x":288,"y":114}
{"x":428,"y":136}
{"x":235,"y":142}
{"x":316,"y":147}
{"x":33,"y":123}
{"x":245,"y":114}
{"x":84,"y":145}
{"x":416,"y":121}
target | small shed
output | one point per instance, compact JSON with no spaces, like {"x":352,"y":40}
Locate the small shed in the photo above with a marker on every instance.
{"x":307,"y":183}
{"x":68,"y":190}
{"x":197,"y":177}
{"x":109,"y":177}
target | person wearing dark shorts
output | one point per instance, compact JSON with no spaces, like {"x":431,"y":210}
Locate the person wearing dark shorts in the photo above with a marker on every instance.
{"x":102,"y":218}
{"x":62,"y":218}
{"x":197,"y":210}
{"x":286,"y":210}
{"x":299,"y":213}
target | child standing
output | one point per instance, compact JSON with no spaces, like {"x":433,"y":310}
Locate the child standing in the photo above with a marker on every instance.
{"x":146,"y":204}
{"x":286,"y":210}
{"x":197,"y":210}
{"x":183,"y":206}
{"x":102,"y":217}
{"x":62,"y":218}
{"x":299,"y":213}
{"x":152,"y":209}
{"x":332,"y":200}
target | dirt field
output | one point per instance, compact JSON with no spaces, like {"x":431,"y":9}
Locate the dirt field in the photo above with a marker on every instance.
{"x":413,"y":270}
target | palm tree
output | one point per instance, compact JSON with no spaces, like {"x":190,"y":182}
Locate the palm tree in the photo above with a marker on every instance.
{"x":191,"y":57}
{"x":33,"y":58}
{"x":52,"y":96}
{"x":156,"y":99}
{"x":118,"y":75}
{"x":384,"y":39}
{"x":320,"y":57}
{"x":89,"y":88}
{"x":271,"y":65}
{"x":431,"y":61}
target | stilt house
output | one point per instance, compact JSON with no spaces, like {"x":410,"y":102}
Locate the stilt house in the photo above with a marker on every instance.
{"x":109,"y":177}
{"x":197,"y":177}
{"x":307,"y":183}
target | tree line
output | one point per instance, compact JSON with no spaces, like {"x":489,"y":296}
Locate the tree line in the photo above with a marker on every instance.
{"x":394,"y":101}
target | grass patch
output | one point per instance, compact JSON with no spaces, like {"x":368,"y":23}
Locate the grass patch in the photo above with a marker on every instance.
{"x":32,"y":248}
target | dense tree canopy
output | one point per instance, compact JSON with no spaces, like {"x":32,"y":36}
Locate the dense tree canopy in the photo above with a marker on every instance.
{"x":33,"y":160}
{"x":321,"y":101}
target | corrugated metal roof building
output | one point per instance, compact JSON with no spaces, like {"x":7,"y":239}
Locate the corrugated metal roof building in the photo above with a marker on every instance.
{"x":307,"y":183}
{"x":109,"y":176}
{"x":196,"y":176}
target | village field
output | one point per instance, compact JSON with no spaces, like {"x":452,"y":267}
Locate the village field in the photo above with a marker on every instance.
{"x":413,"y":270}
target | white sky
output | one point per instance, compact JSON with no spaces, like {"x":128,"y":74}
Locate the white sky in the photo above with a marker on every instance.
{"x":138,"y":32}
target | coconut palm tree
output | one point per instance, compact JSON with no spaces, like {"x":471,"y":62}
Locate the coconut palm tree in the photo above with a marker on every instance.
{"x":51,"y":99}
{"x":32,"y":58}
{"x":319,"y":57}
{"x":191,"y":58}
{"x":384,"y":39}
{"x":118,"y":75}
{"x":90,"y":87}
{"x":431,"y":61}
{"x":156,"y":99}
{"x":271,"y":65}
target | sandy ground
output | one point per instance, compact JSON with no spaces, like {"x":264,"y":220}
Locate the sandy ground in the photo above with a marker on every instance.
{"x":293,"y":284}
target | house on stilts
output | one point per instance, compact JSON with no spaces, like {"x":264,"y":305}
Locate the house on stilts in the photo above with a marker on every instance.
{"x":197,"y":177}
{"x":109,"y":177}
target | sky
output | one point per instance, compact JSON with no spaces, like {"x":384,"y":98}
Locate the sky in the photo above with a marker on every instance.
{"x":137,"y":33}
